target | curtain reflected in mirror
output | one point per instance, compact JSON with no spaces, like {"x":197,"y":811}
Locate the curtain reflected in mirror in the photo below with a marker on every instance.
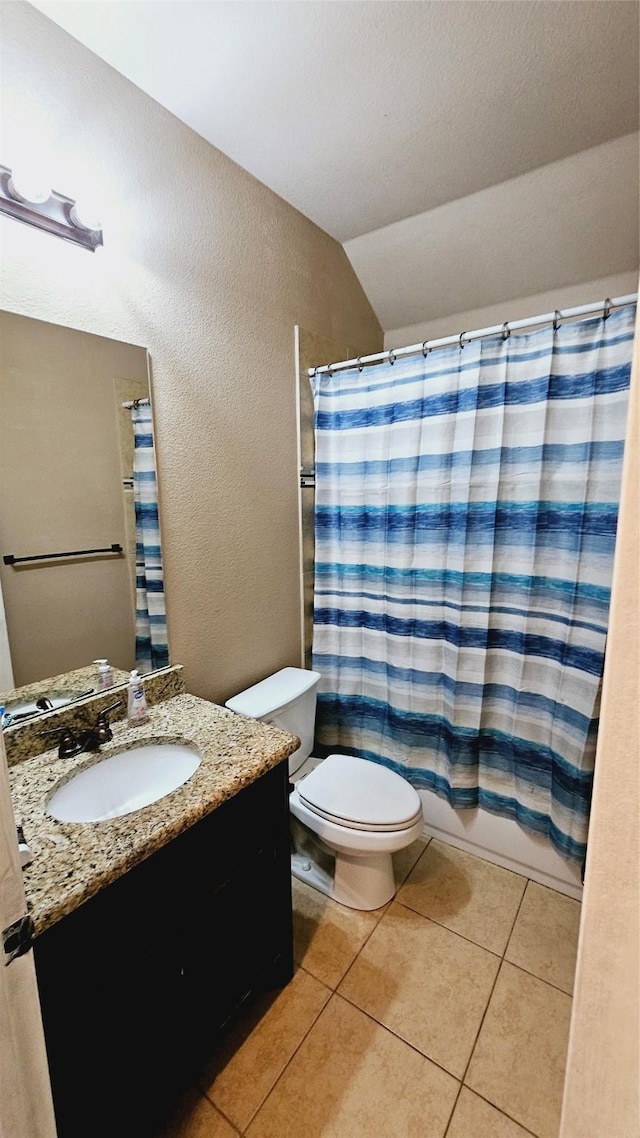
{"x":152,"y":650}
{"x":69,"y":485}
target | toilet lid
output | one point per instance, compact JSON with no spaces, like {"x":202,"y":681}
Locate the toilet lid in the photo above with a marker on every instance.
{"x":361,"y":794}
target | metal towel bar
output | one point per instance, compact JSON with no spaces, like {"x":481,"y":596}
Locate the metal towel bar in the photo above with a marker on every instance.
{"x":11,"y":559}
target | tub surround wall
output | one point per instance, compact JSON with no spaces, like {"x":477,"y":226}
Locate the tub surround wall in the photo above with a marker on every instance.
{"x":503,"y":842}
{"x":211,"y":271}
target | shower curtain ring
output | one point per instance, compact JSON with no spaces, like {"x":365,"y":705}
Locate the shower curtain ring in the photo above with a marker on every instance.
{"x":607,"y":308}
{"x":392,"y":356}
{"x":330,"y":369}
{"x":506,"y":331}
{"x":425,"y":349}
{"x":556,"y":320}
{"x":460,"y":344}
{"x":360,"y":364}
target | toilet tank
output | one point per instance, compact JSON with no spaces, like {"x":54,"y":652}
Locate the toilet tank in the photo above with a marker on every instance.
{"x":287,"y":699}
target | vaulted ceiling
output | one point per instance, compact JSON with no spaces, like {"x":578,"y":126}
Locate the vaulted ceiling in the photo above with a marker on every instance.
{"x":364,"y":114}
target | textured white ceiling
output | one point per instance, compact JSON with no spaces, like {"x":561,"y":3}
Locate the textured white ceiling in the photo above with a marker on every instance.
{"x":364,"y":113}
{"x":440,"y":140}
{"x":572,"y":221}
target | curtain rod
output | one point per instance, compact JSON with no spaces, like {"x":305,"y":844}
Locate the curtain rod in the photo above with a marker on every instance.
{"x":137,"y":403}
{"x":505,"y":330}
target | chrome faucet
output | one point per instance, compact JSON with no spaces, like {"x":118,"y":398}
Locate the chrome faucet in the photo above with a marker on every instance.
{"x":71,"y":744}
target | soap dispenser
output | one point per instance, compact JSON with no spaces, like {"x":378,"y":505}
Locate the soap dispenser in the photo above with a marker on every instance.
{"x":137,"y":711}
{"x":105,"y":674}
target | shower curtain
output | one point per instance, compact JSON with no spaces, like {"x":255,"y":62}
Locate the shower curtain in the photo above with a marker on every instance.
{"x":466,"y":509}
{"x":152,"y":650}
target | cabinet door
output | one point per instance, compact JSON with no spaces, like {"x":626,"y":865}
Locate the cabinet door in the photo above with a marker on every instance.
{"x":138,"y":983}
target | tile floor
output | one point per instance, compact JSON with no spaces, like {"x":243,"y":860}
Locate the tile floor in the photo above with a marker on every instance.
{"x":446,"y":1013}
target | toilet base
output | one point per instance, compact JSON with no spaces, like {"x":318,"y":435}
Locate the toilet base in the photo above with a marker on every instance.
{"x":305,"y":869}
{"x":364,"y":883}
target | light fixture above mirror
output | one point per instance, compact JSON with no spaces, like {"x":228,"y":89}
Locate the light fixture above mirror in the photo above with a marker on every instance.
{"x":47,"y":209}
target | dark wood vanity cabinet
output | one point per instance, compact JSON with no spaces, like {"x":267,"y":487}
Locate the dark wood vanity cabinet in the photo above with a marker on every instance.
{"x":138,"y":985}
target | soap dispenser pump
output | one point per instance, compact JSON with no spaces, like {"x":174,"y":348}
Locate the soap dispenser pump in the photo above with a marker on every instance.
{"x":105,"y":674}
{"x":137,"y":711}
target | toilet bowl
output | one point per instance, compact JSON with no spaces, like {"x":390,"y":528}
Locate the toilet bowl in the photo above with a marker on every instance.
{"x":349,"y":815}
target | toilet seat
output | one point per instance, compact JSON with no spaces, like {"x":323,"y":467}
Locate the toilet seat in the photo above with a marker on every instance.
{"x":360,"y":795}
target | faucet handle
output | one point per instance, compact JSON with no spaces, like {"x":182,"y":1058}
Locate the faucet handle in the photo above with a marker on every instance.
{"x":103,"y":727}
{"x":69,"y":745}
{"x":112,"y":706}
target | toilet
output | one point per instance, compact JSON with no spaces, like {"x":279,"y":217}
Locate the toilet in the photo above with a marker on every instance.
{"x":348,"y":814}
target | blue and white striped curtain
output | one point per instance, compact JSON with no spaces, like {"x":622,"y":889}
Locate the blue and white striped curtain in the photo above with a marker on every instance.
{"x":466,"y":510}
{"x":152,"y":650}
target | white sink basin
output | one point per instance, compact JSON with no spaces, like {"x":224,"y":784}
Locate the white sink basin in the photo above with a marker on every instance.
{"x":124,"y":782}
{"x":30,"y":707}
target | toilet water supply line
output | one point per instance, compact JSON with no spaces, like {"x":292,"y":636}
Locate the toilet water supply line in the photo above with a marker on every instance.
{"x":504,"y":330}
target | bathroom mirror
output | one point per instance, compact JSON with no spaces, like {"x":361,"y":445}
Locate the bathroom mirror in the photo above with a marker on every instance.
{"x":66,"y":487}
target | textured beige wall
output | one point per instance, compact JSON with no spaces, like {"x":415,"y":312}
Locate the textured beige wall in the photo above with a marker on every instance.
{"x":516,"y":308}
{"x":602,"y":1090}
{"x":61,"y":489}
{"x":210,"y":271}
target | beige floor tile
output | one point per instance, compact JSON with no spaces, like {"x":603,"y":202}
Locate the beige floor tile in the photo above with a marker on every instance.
{"x":545,"y":938}
{"x":404,"y":860}
{"x":253,"y":1060}
{"x":351,"y":1078}
{"x":327,"y":937}
{"x":475,"y":1118}
{"x":425,"y":983}
{"x":240,"y":1077}
{"x":464,"y":893}
{"x":519,"y":1060}
{"x":195,"y":1117}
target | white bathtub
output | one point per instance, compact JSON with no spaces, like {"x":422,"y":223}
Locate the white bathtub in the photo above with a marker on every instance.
{"x":503,"y":841}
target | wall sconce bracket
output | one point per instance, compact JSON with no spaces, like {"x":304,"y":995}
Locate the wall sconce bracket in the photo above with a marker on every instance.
{"x":53,"y":215}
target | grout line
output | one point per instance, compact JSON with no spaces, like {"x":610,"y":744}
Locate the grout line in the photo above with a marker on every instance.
{"x":293,"y":1054}
{"x":453,"y":1110}
{"x":499,"y":956}
{"x":493,"y":986}
{"x":396,"y":1035}
{"x":454,"y":932}
{"x":383,"y":913}
{"x":540,"y":979}
{"x":500,"y":1111}
{"x":289,"y":1060}
{"x":515,"y":919}
{"x":462,"y":1080}
{"x":365,"y":941}
{"x":334,"y":992}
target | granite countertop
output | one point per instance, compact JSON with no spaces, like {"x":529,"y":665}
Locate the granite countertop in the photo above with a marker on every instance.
{"x":74,"y":861}
{"x":70,"y":684}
